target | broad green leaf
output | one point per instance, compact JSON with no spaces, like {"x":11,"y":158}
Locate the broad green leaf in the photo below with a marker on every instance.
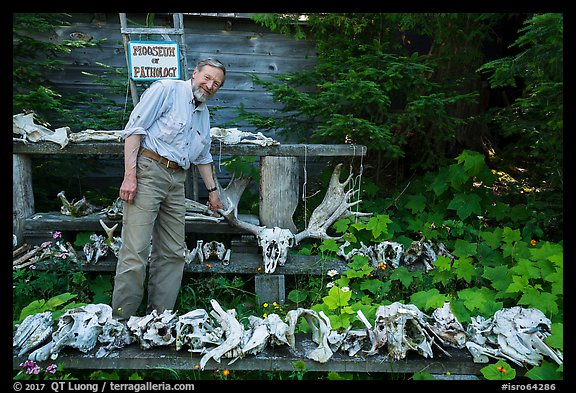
{"x":464,"y":269}
{"x":416,"y":203}
{"x":465,"y":205}
{"x":464,"y":249}
{"x":403,"y":275}
{"x":500,"y":371}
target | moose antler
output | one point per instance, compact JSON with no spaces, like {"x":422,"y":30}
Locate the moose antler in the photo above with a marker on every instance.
{"x":275,"y":242}
{"x":336,"y":204}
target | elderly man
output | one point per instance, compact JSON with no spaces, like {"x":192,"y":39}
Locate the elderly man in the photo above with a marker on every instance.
{"x":168,"y":131}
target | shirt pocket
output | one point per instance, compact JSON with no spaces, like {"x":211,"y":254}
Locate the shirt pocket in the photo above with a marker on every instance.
{"x":172,"y":127}
{"x":196,"y":146}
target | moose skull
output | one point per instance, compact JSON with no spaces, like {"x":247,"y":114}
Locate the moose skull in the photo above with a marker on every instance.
{"x":275,"y":243}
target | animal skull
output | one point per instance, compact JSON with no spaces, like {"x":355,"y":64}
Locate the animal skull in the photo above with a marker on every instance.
{"x":195,"y":331}
{"x":24,"y":125}
{"x":514,"y":333}
{"x":320,"y":326}
{"x":79,"y":328}
{"x":33,"y":331}
{"x":154,"y":329}
{"x":275,"y":243}
{"x":404,"y":326}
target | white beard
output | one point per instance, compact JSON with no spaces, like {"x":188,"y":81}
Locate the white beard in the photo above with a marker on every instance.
{"x":199,"y":95}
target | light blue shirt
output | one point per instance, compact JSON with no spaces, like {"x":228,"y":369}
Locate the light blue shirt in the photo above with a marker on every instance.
{"x":170,"y":125}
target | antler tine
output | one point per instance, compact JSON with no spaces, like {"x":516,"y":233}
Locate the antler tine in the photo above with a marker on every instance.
{"x":230,"y":197}
{"x":336,"y":204}
{"x":109,"y":231}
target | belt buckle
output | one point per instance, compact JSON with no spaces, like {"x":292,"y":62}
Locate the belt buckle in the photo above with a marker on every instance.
{"x":167,"y":163}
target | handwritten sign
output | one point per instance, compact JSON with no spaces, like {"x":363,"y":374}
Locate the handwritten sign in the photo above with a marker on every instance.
{"x":151,"y":60}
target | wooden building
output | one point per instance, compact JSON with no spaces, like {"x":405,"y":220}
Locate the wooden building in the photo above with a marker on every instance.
{"x":245,"y":47}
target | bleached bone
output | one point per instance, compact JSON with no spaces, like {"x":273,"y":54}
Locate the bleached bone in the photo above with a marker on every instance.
{"x":276,"y":241}
{"x":115,"y":210}
{"x":196,"y":211}
{"x":77,"y":328}
{"x":33,"y":252}
{"x":377,"y":336}
{"x":320,"y":326}
{"x":32,"y":332}
{"x":75,"y":209}
{"x":255,"y":338}
{"x":335,"y":205}
{"x":388,"y":253}
{"x":24,"y":125}
{"x":233,"y":136}
{"x":278,"y":329}
{"x":405,"y":328}
{"x":447,"y":328}
{"x":261,"y":332}
{"x":196,"y":253}
{"x":114,"y":242}
{"x":425,"y":252}
{"x":521,"y":333}
{"x":233,"y":332}
{"x":226,"y":259}
{"x":93,"y":135}
{"x":354,"y":341}
{"x":195,"y":331}
{"x":153,"y":330}
{"x":116,"y":335}
{"x":214,"y":249}
{"x":96,"y":249}
{"x":363,"y":250}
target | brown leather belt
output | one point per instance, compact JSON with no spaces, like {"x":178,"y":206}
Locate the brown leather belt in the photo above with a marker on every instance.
{"x":159,"y":158}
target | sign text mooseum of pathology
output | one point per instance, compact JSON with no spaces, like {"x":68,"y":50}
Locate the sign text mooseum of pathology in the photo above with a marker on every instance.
{"x":150,"y":60}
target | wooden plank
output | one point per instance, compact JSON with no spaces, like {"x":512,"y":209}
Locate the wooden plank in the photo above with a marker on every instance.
{"x":240,"y":263}
{"x":278,"y":358}
{"x":55,"y":221}
{"x":117,"y":148}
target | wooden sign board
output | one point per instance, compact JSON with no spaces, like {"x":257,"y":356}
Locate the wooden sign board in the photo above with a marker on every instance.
{"x":151,"y":60}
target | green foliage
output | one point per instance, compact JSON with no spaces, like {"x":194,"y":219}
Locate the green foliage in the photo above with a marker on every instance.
{"x":57,"y":305}
{"x":547,"y":371}
{"x":534,"y":121}
{"x":382,"y":91}
{"x":423,"y":376}
{"x":499,"y":371}
{"x":494,"y":265}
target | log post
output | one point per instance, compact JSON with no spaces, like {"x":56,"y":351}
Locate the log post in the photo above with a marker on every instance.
{"x":22,"y":195}
{"x":279,"y":182}
{"x":279,"y":192}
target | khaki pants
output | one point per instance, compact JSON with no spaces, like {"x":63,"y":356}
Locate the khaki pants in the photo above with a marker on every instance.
{"x":156,"y":214}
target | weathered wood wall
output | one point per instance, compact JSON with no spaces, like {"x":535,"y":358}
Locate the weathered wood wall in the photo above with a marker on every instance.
{"x":245,"y":47}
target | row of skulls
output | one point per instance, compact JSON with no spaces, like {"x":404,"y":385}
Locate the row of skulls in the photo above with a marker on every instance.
{"x":515,"y":333}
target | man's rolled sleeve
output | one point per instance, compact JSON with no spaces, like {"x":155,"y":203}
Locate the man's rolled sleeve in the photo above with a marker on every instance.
{"x":147,"y":110}
{"x":204,"y":158}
